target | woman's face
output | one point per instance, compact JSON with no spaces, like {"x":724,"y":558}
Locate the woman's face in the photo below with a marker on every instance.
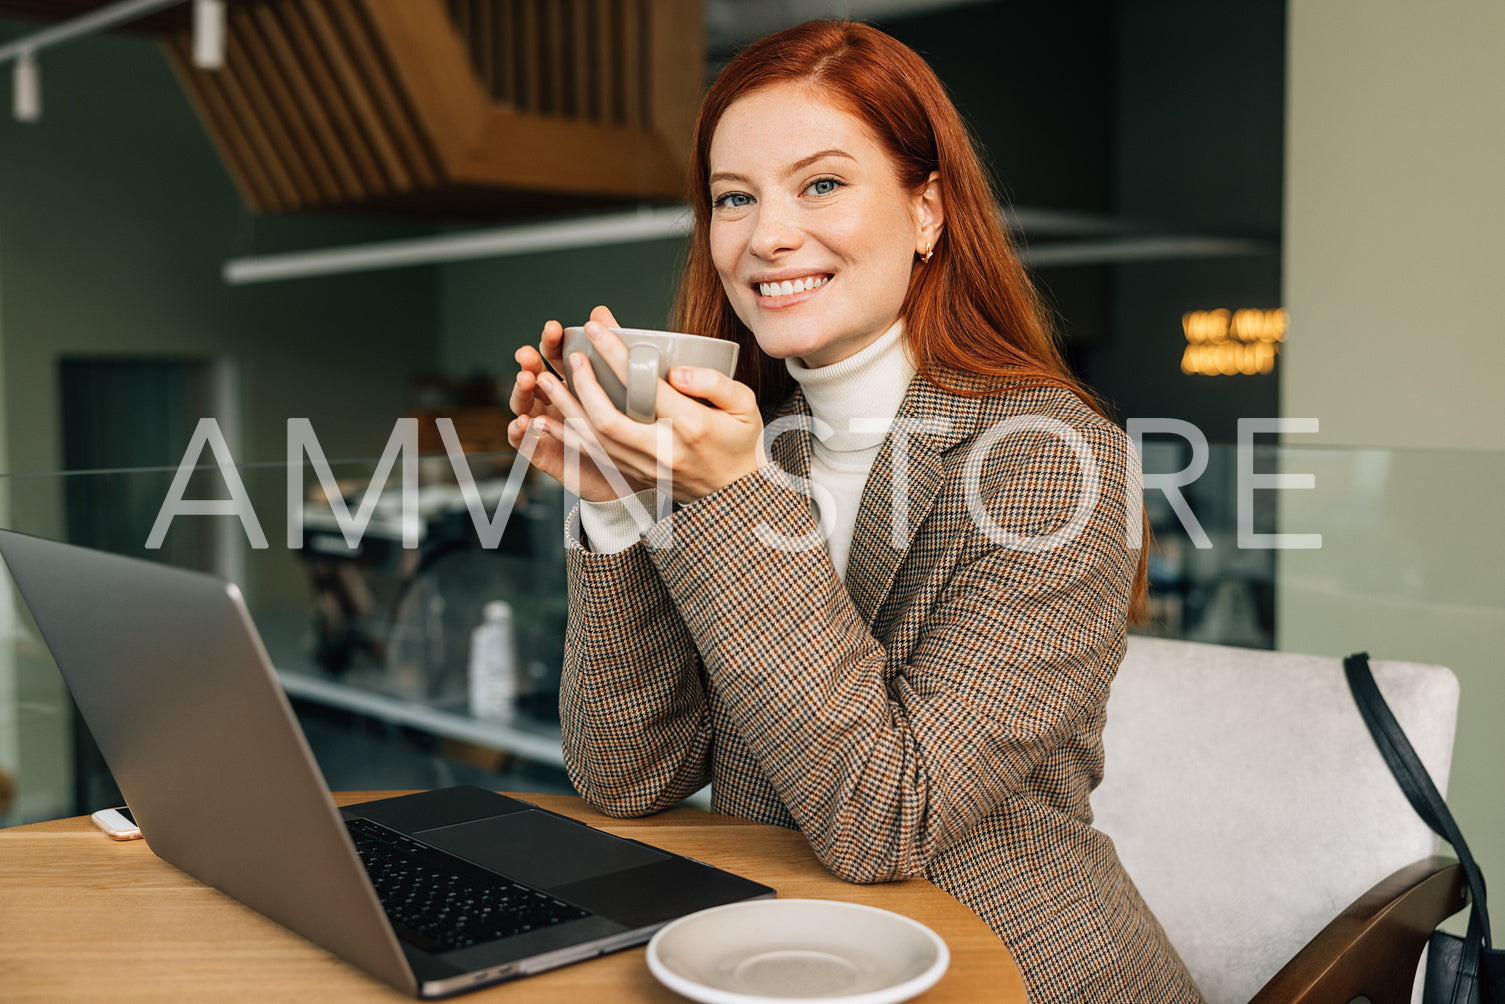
{"x":811,"y":232}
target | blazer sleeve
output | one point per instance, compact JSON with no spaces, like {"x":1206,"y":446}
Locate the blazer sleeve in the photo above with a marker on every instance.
{"x":886,"y":767}
{"x":633,"y":706}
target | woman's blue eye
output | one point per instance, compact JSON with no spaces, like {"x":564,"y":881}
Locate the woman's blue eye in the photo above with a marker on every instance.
{"x":733,"y":200}
{"x":824,"y":186}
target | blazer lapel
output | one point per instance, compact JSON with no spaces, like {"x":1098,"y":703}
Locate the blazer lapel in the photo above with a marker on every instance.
{"x":902,"y":488}
{"x":906,"y":479}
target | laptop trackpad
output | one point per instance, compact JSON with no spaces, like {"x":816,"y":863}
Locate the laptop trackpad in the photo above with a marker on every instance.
{"x":538,"y":849}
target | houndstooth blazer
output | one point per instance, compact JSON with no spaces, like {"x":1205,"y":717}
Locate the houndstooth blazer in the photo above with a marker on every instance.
{"x":939,"y":713}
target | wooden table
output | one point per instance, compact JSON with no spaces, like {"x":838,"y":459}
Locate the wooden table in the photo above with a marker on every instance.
{"x":85,"y":918}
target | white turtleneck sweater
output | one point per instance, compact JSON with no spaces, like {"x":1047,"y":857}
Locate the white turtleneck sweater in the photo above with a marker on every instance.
{"x":864,"y":390}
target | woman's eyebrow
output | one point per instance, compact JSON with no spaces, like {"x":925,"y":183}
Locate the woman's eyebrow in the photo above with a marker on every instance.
{"x":805,"y":162}
{"x":798,"y":165}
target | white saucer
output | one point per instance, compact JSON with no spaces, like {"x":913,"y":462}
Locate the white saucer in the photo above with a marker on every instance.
{"x":775,"y":951}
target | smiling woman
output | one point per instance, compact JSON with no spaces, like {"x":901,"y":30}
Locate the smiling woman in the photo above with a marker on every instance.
{"x":894,"y":592}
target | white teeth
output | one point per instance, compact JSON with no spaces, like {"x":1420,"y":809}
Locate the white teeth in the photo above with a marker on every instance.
{"x":795,"y":286}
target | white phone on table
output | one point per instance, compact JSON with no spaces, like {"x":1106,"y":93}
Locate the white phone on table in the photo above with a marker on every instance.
{"x":117,"y":822}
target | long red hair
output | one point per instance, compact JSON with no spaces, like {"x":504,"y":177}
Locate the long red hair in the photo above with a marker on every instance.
{"x":972,"y":308}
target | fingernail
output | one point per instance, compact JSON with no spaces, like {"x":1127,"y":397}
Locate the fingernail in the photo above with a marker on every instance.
{"x":684,"y":374}
{"x":541,"y":426}
{"x":577,"y":361}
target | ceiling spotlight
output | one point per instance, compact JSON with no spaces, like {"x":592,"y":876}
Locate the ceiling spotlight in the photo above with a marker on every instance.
{"x":209,"y":34}
{"x":26,"y":88}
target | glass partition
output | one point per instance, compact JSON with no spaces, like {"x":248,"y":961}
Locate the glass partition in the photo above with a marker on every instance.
{"x":374,"y":640}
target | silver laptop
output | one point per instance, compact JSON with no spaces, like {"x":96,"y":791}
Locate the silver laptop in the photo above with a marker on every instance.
{"x":173,"y":681}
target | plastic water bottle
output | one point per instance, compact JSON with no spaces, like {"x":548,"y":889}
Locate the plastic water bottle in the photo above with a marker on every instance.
{"x":493,"y":664}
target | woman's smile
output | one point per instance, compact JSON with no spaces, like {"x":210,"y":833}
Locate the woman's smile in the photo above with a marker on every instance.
{"x":777,"y":294}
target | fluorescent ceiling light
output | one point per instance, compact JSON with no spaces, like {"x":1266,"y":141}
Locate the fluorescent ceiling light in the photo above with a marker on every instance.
{"x":595,"y":231}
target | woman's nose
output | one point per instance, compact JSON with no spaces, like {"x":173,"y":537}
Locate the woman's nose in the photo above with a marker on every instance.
{"x":773,"y":233}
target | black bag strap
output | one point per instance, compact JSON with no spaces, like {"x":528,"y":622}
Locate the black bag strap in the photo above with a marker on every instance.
{"x":1419,"y":790}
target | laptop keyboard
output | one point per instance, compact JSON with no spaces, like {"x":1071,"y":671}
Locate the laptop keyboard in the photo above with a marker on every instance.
{"x":441,"y":902}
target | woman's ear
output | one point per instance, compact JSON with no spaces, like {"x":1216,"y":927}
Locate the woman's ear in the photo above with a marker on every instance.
{"x":930,"y":214}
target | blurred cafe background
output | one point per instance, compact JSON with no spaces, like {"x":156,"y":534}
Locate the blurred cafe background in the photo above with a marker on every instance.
{"x":1248,"y":209}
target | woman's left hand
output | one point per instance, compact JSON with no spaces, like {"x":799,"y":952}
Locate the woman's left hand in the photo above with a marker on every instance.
{"x":704,"y":445}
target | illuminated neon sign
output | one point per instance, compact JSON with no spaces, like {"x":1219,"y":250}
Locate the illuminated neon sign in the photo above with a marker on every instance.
{"x":1223,"y":343}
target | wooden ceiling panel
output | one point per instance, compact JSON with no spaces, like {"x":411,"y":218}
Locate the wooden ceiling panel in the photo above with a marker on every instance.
{"x":460,"y":108}
{"x":352,"y":142}
{"x":208,"y":99}
{"x":405,"y":132}
{"x":326,"y":143}
{"x":247,"y":39}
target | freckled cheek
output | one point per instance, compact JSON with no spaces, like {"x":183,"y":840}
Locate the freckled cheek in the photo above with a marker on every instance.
{"x":873,"y":249}
{"x":853,"y":239}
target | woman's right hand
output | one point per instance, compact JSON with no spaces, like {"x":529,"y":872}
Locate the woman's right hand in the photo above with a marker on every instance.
{"x":534,"y":392}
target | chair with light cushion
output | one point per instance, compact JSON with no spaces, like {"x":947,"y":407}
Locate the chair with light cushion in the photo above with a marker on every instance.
{"x":1255,"y":814}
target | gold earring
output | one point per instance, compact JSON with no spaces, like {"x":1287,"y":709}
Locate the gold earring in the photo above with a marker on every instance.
{"x":925,"y":258}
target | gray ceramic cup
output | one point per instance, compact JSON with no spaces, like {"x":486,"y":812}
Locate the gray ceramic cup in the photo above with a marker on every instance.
{"x":650,"y":355}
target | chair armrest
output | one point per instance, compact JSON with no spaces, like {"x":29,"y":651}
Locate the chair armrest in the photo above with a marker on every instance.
{"x":1372,"y":947}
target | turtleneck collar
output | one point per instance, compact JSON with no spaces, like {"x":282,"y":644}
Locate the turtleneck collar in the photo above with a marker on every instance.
{"x":867,"y":385}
